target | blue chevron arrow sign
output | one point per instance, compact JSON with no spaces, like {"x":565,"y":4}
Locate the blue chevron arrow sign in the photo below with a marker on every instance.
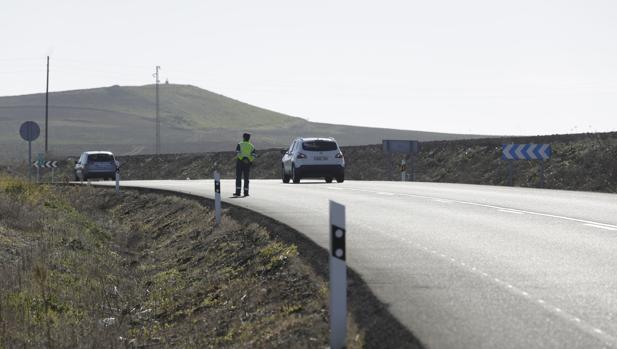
{"x":526,"y":152}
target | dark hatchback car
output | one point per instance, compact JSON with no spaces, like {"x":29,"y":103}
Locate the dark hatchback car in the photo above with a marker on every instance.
{"x":95,"y":164}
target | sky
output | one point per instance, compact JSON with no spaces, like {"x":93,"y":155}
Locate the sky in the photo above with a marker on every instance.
{"x":522,"y":67}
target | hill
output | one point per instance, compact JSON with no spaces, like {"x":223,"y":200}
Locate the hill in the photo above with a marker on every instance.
{"x":121,"y":119}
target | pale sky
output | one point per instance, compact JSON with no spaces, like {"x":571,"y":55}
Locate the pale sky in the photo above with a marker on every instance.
{"x":485,"y":67}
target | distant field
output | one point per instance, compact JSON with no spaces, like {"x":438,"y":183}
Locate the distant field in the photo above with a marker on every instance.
{"x":579,"y":162}
{"x":121,"y":119}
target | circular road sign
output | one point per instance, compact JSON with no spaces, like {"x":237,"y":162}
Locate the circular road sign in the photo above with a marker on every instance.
{"x":29,"y":131}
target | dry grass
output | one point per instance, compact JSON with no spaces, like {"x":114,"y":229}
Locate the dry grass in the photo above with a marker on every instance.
{"x":84,"y":268}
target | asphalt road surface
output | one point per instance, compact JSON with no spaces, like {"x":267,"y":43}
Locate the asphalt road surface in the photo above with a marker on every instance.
{"x":464,"y":266}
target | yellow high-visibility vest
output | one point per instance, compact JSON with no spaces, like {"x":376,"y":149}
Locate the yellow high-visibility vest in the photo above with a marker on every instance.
{"x":246,"y":151}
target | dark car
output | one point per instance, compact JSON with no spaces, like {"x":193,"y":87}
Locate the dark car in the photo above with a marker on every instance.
{"x":95,"y":164}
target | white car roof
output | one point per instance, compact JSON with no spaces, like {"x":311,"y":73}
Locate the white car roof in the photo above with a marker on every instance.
{"x":317,"y":139}
{"x":99,"y":152}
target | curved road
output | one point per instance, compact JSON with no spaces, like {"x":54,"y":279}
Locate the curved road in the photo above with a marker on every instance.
{"x":464,"y":266}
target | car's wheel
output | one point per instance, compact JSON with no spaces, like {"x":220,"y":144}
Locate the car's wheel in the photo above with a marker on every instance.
{"x":340,"y":179}
{"x":294,"y":175}
{"x":284,"y":176}
{"x":328,"y":179}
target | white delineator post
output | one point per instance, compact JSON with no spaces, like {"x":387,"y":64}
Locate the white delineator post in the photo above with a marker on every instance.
{"x":217,"y":197}
{"x":117,"y":179}
{"x":338,"y":277}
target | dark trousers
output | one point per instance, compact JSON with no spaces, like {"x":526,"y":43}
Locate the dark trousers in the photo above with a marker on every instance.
{"x":243,"y":168}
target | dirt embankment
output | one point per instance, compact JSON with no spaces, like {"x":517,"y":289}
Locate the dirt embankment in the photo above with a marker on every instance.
{"x":580,"y":162}
{"x":82,"y":267}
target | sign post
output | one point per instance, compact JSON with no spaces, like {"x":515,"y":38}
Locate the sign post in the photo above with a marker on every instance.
{"x":540,"y":152}
{"x":29,"y":131}
{"x":338,"y":277}
{"x":217,"y":197}
{"x":391,"y":146}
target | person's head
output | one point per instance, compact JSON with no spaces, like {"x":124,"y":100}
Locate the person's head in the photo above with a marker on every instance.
{"x":246,"y":137}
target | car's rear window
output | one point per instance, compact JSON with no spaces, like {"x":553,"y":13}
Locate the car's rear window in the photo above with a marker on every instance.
{"x":319,"y":145}
{"x":100,"y":158}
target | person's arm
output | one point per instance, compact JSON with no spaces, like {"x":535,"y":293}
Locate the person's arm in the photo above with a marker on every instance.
{"x":238,"y":149}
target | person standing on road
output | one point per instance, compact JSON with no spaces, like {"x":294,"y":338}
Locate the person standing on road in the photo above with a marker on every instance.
{"x":245,"y":154}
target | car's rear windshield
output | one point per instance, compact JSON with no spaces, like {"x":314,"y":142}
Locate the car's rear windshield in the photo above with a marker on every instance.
{"x":319,"y":145}
{"x":100,"y":158}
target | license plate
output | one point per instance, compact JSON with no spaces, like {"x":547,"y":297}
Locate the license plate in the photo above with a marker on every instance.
{"x":321,"y":158}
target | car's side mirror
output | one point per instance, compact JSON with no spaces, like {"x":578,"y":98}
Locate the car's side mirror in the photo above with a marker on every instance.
{"x":283,"y":151}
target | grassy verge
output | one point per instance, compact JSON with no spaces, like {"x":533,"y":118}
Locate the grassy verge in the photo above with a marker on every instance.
{"x":81,"y":267}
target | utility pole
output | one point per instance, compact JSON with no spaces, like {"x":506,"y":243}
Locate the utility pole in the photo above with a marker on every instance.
{"x":47,"y":108}
{"x":158,"y":117}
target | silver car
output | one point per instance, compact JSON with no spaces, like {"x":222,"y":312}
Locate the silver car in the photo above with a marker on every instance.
{"x":96,"y":164}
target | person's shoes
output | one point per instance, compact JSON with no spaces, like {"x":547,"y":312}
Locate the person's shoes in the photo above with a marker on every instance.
{"x":236,"y":194}
{"x":246,"y":194}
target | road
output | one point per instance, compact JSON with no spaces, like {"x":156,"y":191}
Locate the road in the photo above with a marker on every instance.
{"x":465,"y":266}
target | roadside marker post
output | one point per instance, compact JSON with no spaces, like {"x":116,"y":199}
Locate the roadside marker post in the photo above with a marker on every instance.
{"x":117,"y":178}
{"x":338,"y":277}
{"x":217,"y":197}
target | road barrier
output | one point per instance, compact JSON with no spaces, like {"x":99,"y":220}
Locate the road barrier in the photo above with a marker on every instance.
{"x":338,"y":277}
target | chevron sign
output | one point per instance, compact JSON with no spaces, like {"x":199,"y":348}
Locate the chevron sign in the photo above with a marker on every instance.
{"x":526,"y":151}
{"x":48,"y":164}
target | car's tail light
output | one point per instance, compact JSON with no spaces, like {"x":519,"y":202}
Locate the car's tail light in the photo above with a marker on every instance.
{"x":301,"y":156}
{"x":339,"y":156}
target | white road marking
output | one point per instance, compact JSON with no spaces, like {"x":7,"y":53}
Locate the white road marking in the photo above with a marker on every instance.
{"x":601,"y":226}
{"x":443,"y":201}
{"x":510,"y":209}
{"x":385,"y":193}
{"x":585,"y":327}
